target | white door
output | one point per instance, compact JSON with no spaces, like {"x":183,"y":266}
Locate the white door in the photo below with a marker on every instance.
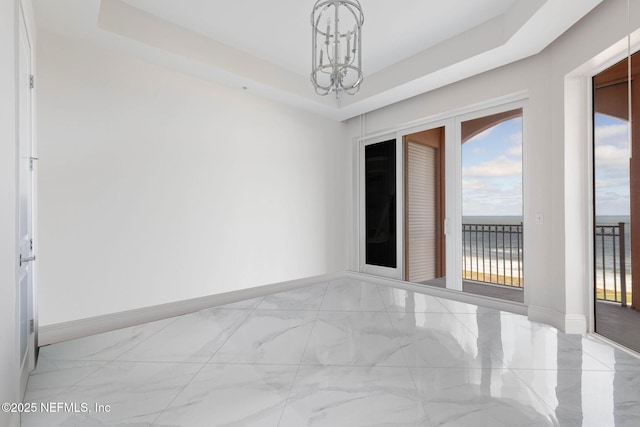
{"x":27,"y":341}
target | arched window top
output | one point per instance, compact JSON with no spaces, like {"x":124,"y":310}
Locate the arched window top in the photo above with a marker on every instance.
{"x":471,"y":128}
{"x":612,"y":91}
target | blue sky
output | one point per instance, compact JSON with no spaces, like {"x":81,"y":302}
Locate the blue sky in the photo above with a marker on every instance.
{"x":611,"y":165}
{"x":492,"y":171}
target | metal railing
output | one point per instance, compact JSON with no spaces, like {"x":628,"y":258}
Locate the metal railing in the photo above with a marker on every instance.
{"x":492,"y":253}
{"x":611,"y":270}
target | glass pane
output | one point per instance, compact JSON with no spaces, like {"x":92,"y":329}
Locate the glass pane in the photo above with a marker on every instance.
{"x":425,"y":245}
{"x":380,"y":204}
{"x":492,"y":203}
{"x":616,"y":159}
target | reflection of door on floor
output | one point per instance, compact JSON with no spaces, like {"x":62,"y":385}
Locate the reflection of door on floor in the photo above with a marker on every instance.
{"x":424,"y":205}
{"x":617,"y":202}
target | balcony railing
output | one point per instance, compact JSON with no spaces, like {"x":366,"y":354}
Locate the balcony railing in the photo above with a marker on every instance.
{"x":611,"y":259}
{"x":492,"y":253}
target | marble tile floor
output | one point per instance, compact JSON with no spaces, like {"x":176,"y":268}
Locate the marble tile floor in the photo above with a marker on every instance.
{"x":338,"y":354}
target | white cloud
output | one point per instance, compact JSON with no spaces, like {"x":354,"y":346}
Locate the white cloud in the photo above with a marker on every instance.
{"x":516,"y":138}
{"x":499,"y":167}
{"x":492,"y":200}
{"x":612,"y":203}
{"x":474,"y":184}
{"x":611,"y":131}
{"x":610,"y":156}
{"x":515,"y":150}
{"x":611,"y":183}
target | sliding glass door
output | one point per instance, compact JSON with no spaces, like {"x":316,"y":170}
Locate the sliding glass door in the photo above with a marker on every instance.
{"x":616,"y":161}
{"x":425,"y":207}
{"x":442,"y":205}
{"x":492,"y":203}
{"x":380,"y":248}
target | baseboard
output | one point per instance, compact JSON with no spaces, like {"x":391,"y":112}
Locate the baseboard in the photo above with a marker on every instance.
{"x":575,"y":324}
{"x":512,"y":307}
{"x":51,"y":334}
{"x":567,"y":323}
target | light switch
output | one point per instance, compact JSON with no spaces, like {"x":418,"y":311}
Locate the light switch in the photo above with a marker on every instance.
{"x":539,"y":218}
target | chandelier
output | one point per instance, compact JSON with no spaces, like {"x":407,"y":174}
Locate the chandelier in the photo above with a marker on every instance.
{"x":337,"y":41}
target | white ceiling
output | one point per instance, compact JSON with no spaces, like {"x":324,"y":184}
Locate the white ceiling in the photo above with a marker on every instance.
{"x":279,"y":31}
{"x":409,"y":46}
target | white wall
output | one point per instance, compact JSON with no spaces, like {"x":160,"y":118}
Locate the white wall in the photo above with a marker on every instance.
{"x":9,"y":365}
{"x":555,"y":254}
{"x":157,"y":187}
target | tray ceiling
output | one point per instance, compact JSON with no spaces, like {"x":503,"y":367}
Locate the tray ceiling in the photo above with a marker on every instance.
{"x":409,"y":46}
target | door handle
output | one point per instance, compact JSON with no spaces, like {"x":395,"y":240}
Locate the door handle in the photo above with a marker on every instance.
{"x":27,"y":259}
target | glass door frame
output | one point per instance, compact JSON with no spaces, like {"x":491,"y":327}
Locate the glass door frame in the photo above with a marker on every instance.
{"x":632,"y":50}
{"x":452,"y":124}
{"x":456,"y":220}
{"x":578,"y":96}
{"x":450,"y":231}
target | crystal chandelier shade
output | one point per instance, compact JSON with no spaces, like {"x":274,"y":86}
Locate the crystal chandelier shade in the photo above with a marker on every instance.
{"x":337,"y":41}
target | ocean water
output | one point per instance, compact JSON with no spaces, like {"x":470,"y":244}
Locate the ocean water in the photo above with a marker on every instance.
{"x":512,"y":220}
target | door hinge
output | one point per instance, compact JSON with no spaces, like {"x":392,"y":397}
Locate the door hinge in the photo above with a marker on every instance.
{"x":31,"y":244}
{"x":31,"y":81}
{"x":32,"y":326}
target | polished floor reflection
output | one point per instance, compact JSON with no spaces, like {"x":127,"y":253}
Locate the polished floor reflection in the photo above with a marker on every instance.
{"x":340,"y":354}
{"x":507,"y":293}
{"x":619,"y":324}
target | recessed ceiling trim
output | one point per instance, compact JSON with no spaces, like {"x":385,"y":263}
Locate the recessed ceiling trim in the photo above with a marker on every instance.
{"x":524,"y":29}
{"x":222,"y":60}
{"x":483,"y":48}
